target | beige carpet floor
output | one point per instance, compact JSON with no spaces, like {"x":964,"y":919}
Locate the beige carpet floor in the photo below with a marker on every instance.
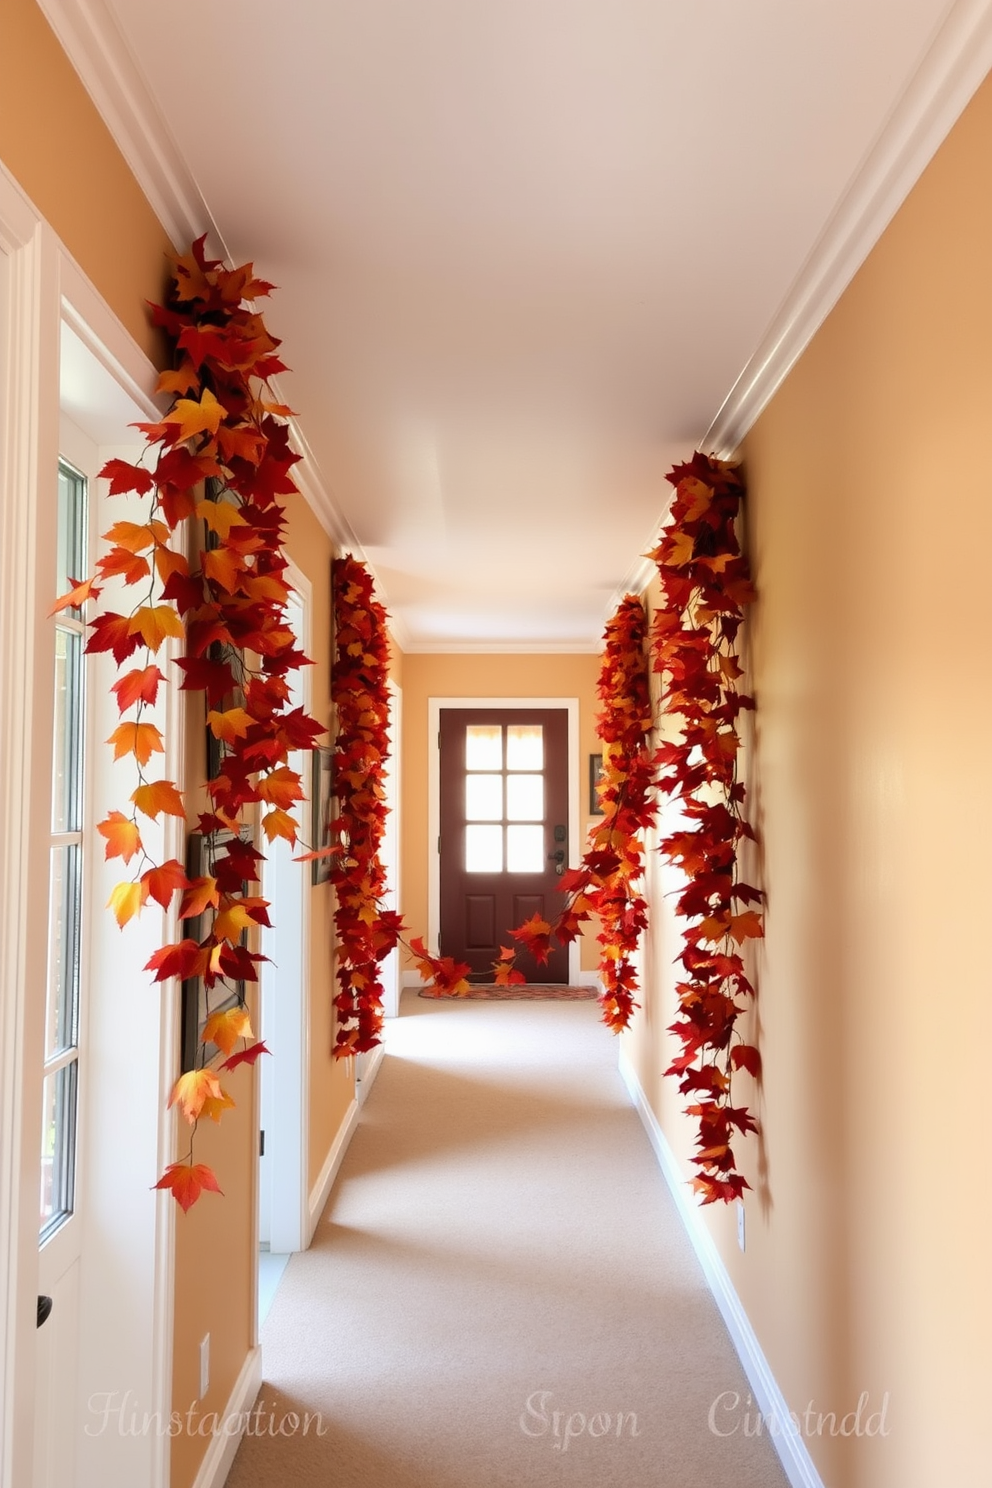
{"x":500,"y":1282}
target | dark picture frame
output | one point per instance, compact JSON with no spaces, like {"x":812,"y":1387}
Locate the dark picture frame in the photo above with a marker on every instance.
{"x":595,"y":776}
{"x":199,"y":1001}
{"x":321,"y":805}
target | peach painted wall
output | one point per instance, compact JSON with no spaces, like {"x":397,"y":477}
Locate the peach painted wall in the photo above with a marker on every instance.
{"x":53,"y":141}
{"x":870,"y":522}
{"x":430,"y":676}
{"x":332,"y":1082}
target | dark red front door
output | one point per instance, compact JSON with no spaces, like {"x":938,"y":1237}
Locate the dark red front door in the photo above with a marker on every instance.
{"x":504,"y":845}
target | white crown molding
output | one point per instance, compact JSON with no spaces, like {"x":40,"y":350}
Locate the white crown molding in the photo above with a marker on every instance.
{"x":92,"y":40}
{"x":944,"y":83}
{"x":97,"y":49}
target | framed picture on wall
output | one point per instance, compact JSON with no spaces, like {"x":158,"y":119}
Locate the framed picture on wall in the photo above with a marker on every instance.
{"x":595,"y":776}
{"x":322,"y":806}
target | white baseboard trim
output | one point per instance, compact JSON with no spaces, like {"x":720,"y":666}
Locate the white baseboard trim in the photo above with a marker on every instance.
{"x":589,"y":979}
{"x":221,"y":1452}
{"x":367,"y":1070}
{"x":321,"y":1191}
{"x":787,"y":1439}
{"x":411,"y":979}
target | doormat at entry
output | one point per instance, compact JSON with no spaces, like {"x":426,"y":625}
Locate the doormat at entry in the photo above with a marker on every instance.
{"x":521,"y":992}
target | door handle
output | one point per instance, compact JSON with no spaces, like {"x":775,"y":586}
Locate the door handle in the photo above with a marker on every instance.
{"x":557,"y":857}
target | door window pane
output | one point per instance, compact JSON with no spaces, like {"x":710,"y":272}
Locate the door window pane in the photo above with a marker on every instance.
{"x":63,"y":950}
{"x":525,"y":797}
{"x":483,"y":849}
{"x":70,"y":556}
{"x":525,"y":849}
{"x":67,"y":762}
{"x":484,"y":797}
{"x":484,"y":746}
{"x":525,"y":746}
{"x":58,"y":1145}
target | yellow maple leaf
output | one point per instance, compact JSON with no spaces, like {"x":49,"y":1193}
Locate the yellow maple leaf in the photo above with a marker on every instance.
{"x":229,"y":923}
{"x":215,"y":1105}
{"x":193,"y":417}
{"x":220,"y":516}
{"x":225,"y":1028}
{"x":153,"y":623}
{"x":192,"y":1089}
{"x":126,"y":901}
{"x":232,"y":724}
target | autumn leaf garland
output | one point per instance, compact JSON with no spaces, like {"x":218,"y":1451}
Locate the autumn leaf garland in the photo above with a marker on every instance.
{"x":365,"y":931}
{"x":607,"y":881}
{"x":706,"y":585}
{"x":220,"y":455}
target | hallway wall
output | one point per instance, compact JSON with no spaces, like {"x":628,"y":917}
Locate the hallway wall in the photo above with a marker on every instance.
{"x":427,"y":676}
{"x":870,"y":521}
{"x":58,"y":148}
{"x":53,"y":141}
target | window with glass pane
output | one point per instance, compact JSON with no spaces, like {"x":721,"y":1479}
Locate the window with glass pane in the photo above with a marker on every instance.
{"x":504,"y":784}
{"x":58,"y":1138}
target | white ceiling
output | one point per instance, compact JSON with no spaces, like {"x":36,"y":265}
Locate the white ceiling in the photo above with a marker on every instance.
{"x":525,"y":248}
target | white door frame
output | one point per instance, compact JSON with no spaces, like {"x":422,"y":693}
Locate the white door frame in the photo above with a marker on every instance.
{"x":285,"y":994}
{"x":435,"y":706}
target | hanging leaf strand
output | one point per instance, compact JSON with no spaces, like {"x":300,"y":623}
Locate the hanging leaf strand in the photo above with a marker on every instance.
{"x":706,"y":584}
{"x":220,"y":455}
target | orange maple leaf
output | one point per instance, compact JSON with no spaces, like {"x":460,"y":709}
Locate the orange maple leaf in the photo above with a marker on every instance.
{"x":201,"y":894}
{"x":230,"y":725}
{"x":224,"y":566}
{"x":187,"y":1181}
{"x":81,"y":591}
{"x":746,"y":926}
{"x":168,"y":562}
{"x":140,"y":739}
{"x":279,"y":824}
{"x":281,"y":787}
{"x":181,"y":381}
{"x":131,"y":566}
{"x":154,"y":622}
{"x":137,"y":536}
{"x":123,"y":837}
{"x":225,"y":1028}
{"x":158,"y":796}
